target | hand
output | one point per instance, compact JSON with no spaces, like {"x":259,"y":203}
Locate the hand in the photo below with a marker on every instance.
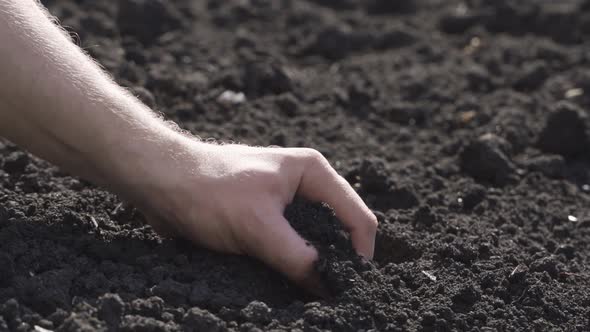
{"x":231,"y":198}
{"x":227,"y":198}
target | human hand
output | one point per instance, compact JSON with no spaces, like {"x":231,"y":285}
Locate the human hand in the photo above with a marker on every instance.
{"x":231,"y":198}
{"x":228,"y":198}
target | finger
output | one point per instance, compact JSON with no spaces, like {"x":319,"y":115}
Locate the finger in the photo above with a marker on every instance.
{"x":279,"y":246}
{"x":321,"y":183}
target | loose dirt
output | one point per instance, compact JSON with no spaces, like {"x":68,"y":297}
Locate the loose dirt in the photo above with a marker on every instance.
{"x":463,"y":125}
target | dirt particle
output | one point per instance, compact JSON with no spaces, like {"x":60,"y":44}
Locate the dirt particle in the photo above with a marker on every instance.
{"x":314,"y":315}
{"x":336,"y":42}
{"x":16,"y":162}
{"x":229,"y":98}
{"x":403,"y":198}
{"x":58,"y":317}
{"x":131,"y":323}
{"x":547,"y":264}
{"x":466,"y":296}
{"x":10,"y":309}
{"x":568,"y":250}
{"x":473,"y":195}
{"x":406,"y":113}
{"x":266,"y":78}
{"x":565,"y":131}
{"x":288,"y":104}
{"x":393,"y":246}
{"x":458,"y":21}
{"x":428,"y":319}
{"x":81,"y":322}
{"x":429,"y":275}
{"x":552,"y":166}
{"x":532,"y":76}
{"x":110,"y":308}
{"x":425,"y":216}
{"x":38,"y":328}
{"x":573,"y":93}
{"x":172,"y":291}
{"x":196,"y":320}
{"x":372,"y":179}
{"x":459,"y":251}
{"x":147,"y":19}
{"x":484,"y":160}
{"x":518,"y":274}
{"x":256,"y":312}
{"x":151,"y":307}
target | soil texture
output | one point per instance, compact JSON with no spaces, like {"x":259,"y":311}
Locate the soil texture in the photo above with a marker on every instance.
{"x":463,"y":124}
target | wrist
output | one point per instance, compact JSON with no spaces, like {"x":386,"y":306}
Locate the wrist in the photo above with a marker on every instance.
{"x":139,"y":161}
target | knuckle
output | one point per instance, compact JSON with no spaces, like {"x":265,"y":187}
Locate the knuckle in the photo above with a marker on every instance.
{"x":315,"y":157}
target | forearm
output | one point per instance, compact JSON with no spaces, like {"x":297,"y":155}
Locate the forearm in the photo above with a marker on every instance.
{"x":56,"y":102}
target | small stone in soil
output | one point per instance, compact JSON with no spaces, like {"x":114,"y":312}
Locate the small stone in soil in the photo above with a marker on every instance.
{"x":231,"y":98}
{"x":572,"y":93}
{"x":429,"y":275}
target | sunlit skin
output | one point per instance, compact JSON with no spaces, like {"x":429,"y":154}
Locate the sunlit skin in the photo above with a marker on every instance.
{"x":58,"y":104}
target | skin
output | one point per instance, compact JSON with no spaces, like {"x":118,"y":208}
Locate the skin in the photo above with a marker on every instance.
{"x":58,"y":104}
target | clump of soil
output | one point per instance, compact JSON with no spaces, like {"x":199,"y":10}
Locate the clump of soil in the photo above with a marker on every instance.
{"x":463,"y":125}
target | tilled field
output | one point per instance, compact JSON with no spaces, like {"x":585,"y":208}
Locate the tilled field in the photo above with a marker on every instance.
{"x":463,"y":124}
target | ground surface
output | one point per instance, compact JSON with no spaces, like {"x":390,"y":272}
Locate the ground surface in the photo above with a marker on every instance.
{"x":462,"y":124}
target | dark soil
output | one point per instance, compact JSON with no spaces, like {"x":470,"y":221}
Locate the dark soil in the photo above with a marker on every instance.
{"x":464,"y":125}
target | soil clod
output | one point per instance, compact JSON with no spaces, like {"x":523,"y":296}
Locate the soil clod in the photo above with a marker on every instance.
{"x":565,"y":131}
{"x":138,"y":18}
{"x":486,"y":160}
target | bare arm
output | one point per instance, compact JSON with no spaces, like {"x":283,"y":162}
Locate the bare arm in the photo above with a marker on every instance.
{"x":56,"y":102}
{"x":59,"y":104}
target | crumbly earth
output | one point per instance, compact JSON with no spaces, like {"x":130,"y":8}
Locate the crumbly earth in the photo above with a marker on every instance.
{"x":463,"y":124}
